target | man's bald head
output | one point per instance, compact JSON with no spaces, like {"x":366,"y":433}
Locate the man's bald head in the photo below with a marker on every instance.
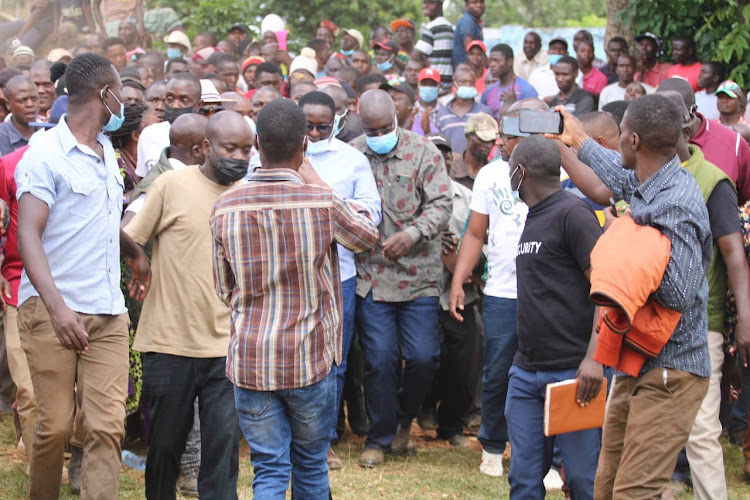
{"x":240,"y":105}
{"x":376,"y":106}
{"x":601,"y":127}
{"x":226,"y":123}
{"x":338,"y":95}
{"x":682,"y":87}
{"x":531,"y":103}
{"x":186,"y":138}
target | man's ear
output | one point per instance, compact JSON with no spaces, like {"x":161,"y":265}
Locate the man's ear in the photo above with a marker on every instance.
{"x":600,"y":140}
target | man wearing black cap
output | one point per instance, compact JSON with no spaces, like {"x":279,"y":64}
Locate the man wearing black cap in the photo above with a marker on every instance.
{"x":650,"y":70}
{"x":543,"y":78}
{"x":385,"y":57}
{"x":404,"y":98}
{"x":237,"y":33}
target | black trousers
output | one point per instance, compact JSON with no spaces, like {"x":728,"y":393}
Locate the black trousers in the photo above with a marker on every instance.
{"x":170,"y":385}
{"x":457,"y":377}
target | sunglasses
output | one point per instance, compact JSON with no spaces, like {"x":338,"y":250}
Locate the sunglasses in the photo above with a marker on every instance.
{"x":323,"y":129}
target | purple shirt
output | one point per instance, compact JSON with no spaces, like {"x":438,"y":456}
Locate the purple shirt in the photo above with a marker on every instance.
{"x":491,"y":96}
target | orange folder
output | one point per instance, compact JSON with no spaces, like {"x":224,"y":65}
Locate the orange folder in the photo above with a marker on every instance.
{"x":562,"y":413}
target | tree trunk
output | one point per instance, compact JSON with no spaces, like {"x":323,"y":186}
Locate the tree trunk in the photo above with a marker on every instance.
{"x":617,"y":26}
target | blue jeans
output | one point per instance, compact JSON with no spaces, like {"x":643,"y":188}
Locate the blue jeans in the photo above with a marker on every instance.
{"x":532,"y":451}
{"x":387,"y":330}
{"x":289,"y":432}
{"x":500,"y":344}
{"x":348,"y":288}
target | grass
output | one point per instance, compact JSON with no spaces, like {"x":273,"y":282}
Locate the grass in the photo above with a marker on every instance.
{"x":436,"y":472}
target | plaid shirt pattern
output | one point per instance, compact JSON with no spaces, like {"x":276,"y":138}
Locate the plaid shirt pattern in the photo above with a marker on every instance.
{"x":276,"y":266}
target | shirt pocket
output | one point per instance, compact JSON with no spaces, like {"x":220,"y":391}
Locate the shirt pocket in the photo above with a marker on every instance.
{"x":84,"y":200}
{"x":400,"y":194}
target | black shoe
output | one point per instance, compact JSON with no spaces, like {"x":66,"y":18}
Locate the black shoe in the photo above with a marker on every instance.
{"x":356,"y":413}
{"x":74,"y":469}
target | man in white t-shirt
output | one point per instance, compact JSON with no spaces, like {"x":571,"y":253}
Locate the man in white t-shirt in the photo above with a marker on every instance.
{"x":616,"y":91}
{"x":183,"y":96}
{"x":711,"y":75}
{"x":494,"y":206}
{"x":543,"y":78}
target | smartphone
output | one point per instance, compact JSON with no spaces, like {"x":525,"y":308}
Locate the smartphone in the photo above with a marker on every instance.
{"x":540,"y":122}
{"x":614,"y":207}
{"x":510,"y":127}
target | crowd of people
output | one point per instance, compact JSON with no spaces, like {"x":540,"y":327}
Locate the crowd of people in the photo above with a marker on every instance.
{"x":229,"y":239}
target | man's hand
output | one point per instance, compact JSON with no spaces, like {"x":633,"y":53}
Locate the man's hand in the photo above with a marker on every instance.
{"x":141,"y":280}
{"x":590,"y":375}
{"x":508,"y":97}
{"x":456,"y":301}
{"x":731,"y":383}
{"x":741,"y":347}
{"x":69,"y":330}
{"x":397,"y":245}
{"x":308,"y":173}
{"x":573,"y":134}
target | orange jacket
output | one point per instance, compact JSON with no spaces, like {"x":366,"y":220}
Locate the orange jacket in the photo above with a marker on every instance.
{"x":627,"y":266}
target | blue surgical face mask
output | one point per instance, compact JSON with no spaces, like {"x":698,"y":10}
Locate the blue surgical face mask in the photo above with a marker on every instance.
{"x":385,"y":66}
{"x":316,"y":148}
{"x":428,"y":94}
{"x":115,"y":122}
{"x":553,"y":58}
{"x":466,"y":92}
{"x":347,"y":53}
{"x":384,"y":144}
{"x":337,"y":123}
{"x":173,"y":53}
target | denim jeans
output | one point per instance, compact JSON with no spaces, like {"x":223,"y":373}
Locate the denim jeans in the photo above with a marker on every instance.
{"x":170,"y":385}
{"x":387,"y":330}
{"x":532,"y":451}
{"x":500,"y":344}
{"x":289,"y":432}
{"x":348,"y":288}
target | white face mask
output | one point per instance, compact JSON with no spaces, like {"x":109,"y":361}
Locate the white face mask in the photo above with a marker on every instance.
{"x":517,"y":192}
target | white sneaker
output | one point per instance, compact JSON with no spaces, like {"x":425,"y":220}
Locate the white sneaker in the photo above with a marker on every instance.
{"x":492,"y":464}
{"x":553,"y":481}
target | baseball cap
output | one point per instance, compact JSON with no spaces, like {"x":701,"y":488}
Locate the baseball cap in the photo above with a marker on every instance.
{"x":650,"y":36}
{"x":209,"y":93}
{"x":238,"y":26}
{"x":388,"y":45}
{"x":476,"y":43}
{"x":401,"y":23}
{"x":204,"y":54}
{"x":440,"y":141}
{"x":356,"y":35}
{"x":179,"y":38}
{"x":730,"y":88}
{"x":400,"y":86}
{"x":483,"y":125}
{"x":57,"y":54}
{"x":429,"y":74}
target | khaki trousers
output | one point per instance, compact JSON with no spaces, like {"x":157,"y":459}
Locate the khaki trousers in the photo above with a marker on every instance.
{"x":704,"y":451}
{"x":19,"y":370}
{"x":648,"y":421}
{"x":101,"y":377}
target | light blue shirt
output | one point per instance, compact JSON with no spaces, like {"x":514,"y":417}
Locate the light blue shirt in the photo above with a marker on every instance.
{"x":348,"y":172}
{"x":82,"y":236}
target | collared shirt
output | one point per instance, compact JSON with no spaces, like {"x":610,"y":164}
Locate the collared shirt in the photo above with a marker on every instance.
{"x":594,"y":82}
{"x":82,"y":235}
{"x":151,"y":143}
{"x":470,"y":26}
{"x":523,"y":66}
{"x":436,"y":42}
{"x":461,"y":200}
{"x":491,"y":96}
{"x":416,"y":127}
{"x":655,"y":75}
{"x":452,"y":125}
{"x":275,"y":265}
{"x":348,"y":172}
{"x":415,"y":191}
{"x":726,"y":149}
{"x":670,"y":201}
{"x":10,"y":138}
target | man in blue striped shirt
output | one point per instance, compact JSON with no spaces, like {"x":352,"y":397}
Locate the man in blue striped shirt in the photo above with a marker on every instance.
{"x":650,"y":416}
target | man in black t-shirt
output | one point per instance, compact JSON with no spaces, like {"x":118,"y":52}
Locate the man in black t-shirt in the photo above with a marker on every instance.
{"x":555,"y":323}
{"x":574,"y":98}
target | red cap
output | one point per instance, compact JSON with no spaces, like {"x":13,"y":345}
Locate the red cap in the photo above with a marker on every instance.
{"x":388,"y":45}
{"x":398,"y":23}
{"x":429,"y":74}
{"x":476,"y":43}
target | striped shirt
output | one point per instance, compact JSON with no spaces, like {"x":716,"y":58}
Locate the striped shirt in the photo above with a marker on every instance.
{"x":436,"y":43}
{"x":670,"y":201}
{"x":276,"y":266}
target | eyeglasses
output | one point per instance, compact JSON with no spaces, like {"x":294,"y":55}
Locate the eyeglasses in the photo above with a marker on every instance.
{"x":322,"y":128}
{"x":204,"y":110}
{"x":381,"y":131}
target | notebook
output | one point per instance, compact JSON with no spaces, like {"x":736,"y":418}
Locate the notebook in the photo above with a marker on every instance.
{"x":562,"y":413}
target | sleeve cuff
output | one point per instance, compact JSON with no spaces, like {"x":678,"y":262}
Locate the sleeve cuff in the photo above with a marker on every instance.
{"x":585,"y":150}
{"x":415,"y":234}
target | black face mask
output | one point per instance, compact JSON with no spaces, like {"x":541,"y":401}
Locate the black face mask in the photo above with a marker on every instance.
{"x":228,"y":171}
{"x":171,"y":114}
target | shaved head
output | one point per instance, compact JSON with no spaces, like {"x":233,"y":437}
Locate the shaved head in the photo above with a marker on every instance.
{"x":376,"y":106}
{"x":228,"y":123}
{"x":601,"y":127}
{"x":682,"y":87}
{"x":531,"y":103}
{"x":338,"y":95}
{"x":189,"y":128}
{"x":241,"y":103}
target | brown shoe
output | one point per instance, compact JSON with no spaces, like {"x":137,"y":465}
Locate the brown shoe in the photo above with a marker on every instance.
{"x":371,"y":457}
{"x":402,"y":443}
{"x":334,"y":462}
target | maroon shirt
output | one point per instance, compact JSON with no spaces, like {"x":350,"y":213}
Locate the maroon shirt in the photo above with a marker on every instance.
{"x":12,"y":265}
{"x":726,"y":149}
